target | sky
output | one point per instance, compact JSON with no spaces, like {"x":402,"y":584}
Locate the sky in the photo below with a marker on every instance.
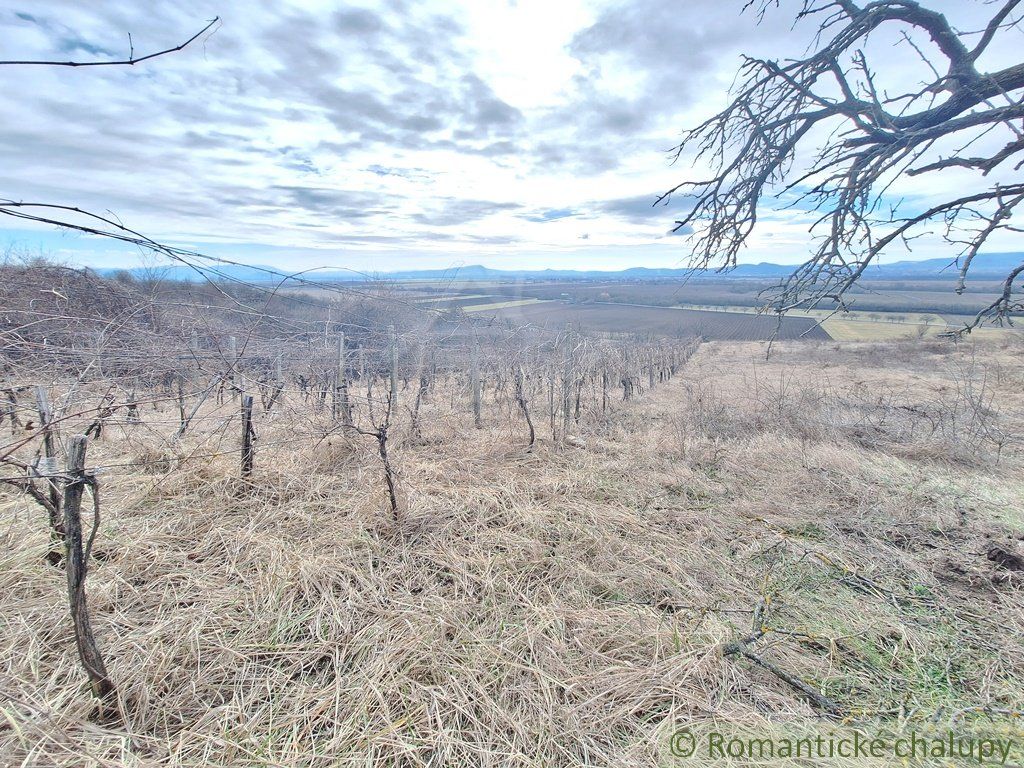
{"x":519,"y":134}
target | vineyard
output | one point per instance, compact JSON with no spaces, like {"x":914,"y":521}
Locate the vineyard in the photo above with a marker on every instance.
{"x":645,"y":389}
{"x":254,"y":528}
{"x":242,"y":392}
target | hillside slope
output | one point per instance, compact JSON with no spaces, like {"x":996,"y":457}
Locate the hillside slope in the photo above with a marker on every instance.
{"x":567,"y":606}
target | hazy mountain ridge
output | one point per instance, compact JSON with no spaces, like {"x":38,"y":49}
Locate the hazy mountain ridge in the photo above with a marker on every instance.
{"x":985,"y":265}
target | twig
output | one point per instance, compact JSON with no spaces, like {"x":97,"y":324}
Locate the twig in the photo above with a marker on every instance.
{"x":132,"y":59}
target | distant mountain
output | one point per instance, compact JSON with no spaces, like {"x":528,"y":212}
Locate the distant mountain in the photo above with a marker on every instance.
{"x":764,"y":269}
{"x":985,"y":266}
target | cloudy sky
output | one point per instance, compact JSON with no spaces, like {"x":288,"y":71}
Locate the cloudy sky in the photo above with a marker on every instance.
{"x":375,"y":136}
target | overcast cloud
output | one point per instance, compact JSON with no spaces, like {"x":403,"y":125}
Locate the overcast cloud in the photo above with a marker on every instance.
{"x":383,"y":135}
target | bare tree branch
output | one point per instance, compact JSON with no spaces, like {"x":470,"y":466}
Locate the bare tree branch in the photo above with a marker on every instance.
{"x":132,"y":59}
{"x":757,"y":146}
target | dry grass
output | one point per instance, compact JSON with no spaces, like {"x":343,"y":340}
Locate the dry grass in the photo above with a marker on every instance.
{"x":846,"y":329}
{"x":563,"y":607}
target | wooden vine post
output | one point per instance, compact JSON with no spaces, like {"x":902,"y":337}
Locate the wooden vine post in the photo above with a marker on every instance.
{"x":11,"y":409}
{"x":48,"y":462}
{"x":604,"y":387}
{"x":393,"y":337}
{"x":76,"y":563}
{"x":232,"y":365}
{"x":99,"y":354}
{"x":248,"y":450}
{"x":567,"y":378}
{"x":474,"y":374}
{"x":342,"y":408}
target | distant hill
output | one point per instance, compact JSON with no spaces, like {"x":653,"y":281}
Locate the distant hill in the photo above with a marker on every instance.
{"x":989,"y":265}
{"x":985,"y":266}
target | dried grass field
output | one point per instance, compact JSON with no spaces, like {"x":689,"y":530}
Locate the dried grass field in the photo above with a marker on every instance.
{"x":602,"y":384}
{"x":852,"y":512}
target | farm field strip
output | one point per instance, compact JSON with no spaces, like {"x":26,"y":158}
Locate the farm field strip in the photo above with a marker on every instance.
{"x":854,"y":315}
{"x":711,"y":320}
{"x":641,"y":319}
{"x":453,"y":297}
{"x":899,"y":297}
{"x":503,"y":305}
{"x":843,"y":329}
{"x":861,"y":325}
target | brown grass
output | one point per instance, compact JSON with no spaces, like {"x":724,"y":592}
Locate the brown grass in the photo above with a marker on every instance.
{"x":565,"y":607}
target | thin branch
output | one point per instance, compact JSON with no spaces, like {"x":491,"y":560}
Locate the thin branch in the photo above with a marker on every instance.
{"x":132,"y":59}
{"x":757,"y":145}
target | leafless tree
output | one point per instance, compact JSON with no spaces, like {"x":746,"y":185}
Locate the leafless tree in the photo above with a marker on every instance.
{"x":831,"y":108}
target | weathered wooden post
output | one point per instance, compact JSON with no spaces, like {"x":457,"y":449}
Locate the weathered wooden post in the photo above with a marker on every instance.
{"x":342,"y":408}
{"x":604,"y":388}
{"x":551,"y":401}
{"x":338,"y":376}
{"x":181,"y":404}
{"x":99,"y":353}
{"x":12,"y":409}
{"x":474,"y":375}
{"x":133,"y":409}
{"x":393,"y":336}
{"x":567,"y":383}
{"x":627,"y":378}
{"x":248,"y":450}
{"x":48,"y":461}
{"x":76,"y":564}
{"x":232,"y":364}
{"x":278,"y":390}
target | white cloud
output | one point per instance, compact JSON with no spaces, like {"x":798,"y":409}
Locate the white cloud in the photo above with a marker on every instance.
{"x":379,"y":135}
